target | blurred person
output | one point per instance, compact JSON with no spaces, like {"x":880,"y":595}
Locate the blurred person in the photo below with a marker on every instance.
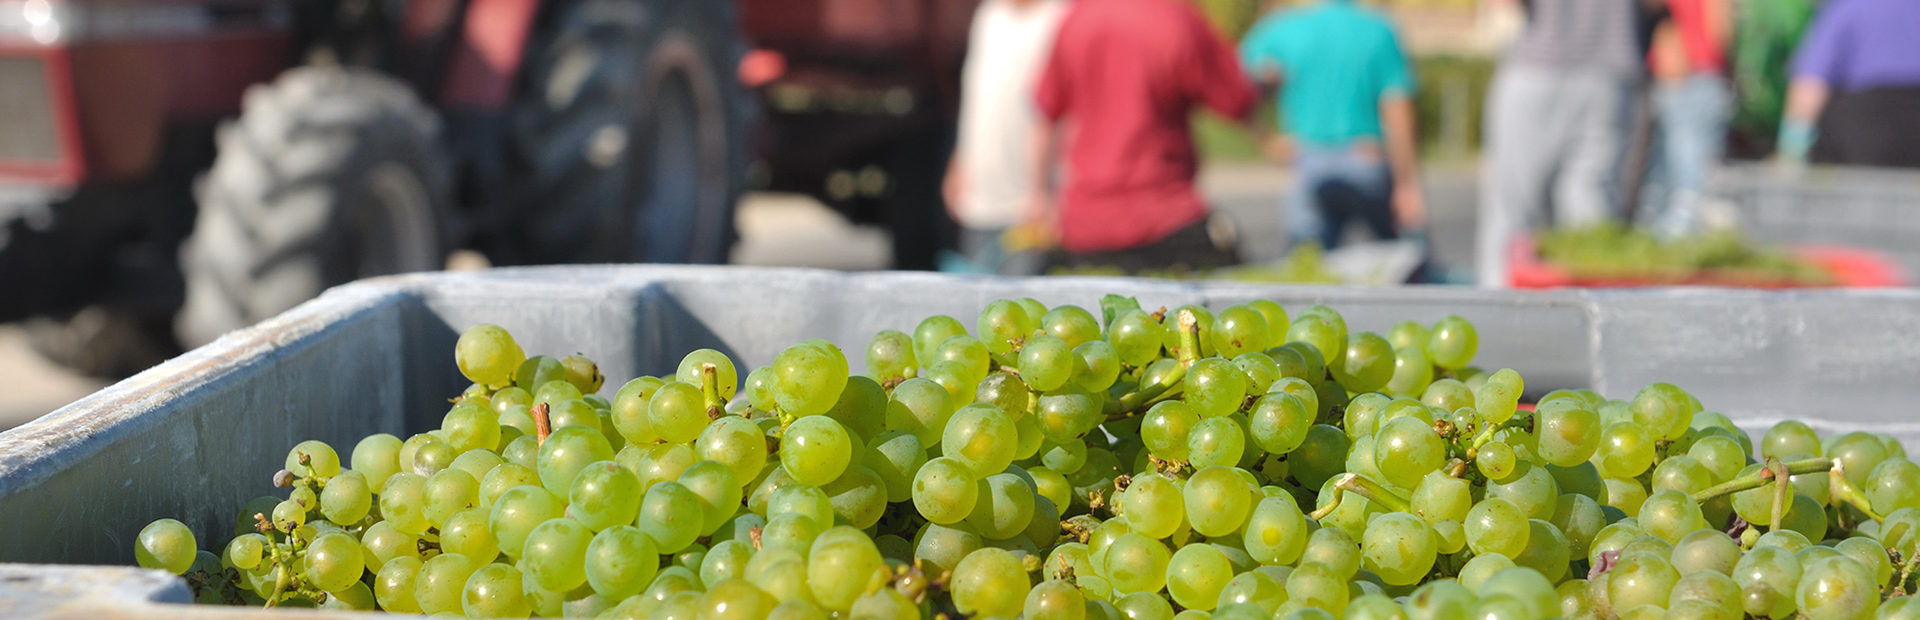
{"x":987,"y":177}
{"x":1693,"y":102}
{"x":1346,"y":99}
{"x":1765,"y":33}
{"x":1855,"y":95}
{"x":1558,"y":116}
{"x":1118,"y":89}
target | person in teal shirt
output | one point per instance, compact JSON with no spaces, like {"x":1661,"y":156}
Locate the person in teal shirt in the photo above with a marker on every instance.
{"x":1345,"y":95}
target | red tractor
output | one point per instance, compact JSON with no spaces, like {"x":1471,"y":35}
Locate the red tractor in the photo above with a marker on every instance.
{"x":172,"y":169}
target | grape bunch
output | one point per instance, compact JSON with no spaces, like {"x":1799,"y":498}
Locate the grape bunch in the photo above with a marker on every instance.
{"x":1054,"y":463}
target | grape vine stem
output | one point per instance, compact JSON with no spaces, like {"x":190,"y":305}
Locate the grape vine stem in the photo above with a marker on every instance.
{"x":1761,"y":477}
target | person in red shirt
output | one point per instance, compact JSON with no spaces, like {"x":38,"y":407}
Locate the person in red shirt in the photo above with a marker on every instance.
{"x":1118,"y":88}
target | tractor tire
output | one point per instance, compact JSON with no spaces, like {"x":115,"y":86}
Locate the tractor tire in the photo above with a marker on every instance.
{"x":102,"y":341}
{"x":330,"y":174}
{"x":628,"y":136}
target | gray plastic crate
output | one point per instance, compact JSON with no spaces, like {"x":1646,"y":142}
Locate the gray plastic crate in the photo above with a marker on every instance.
{"x":195,"y":437}
{"x":1874,"y":209}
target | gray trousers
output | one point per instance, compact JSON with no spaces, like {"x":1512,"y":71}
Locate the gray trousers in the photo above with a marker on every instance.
{"x":1554,"y":141}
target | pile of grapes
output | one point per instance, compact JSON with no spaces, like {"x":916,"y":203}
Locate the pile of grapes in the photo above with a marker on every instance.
{"x":1611,"y":251}
{"x":1057,"y":464}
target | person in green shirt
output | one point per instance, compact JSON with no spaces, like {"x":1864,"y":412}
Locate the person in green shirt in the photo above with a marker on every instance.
{"x":1345,"y":94}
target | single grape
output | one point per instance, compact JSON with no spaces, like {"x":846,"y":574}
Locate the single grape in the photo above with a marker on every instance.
{"x":487,"y":354}
{"x":441,"y":583}
{"x":517,"y":513}
{"x":1452,"y":343}
{"x":980,"y":436}
{"x":495,"y":591}
{"x":815,"y":450}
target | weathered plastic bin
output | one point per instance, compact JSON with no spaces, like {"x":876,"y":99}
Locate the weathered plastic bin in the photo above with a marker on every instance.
{"x":1866,"y":208}
{"x":198,"y":435}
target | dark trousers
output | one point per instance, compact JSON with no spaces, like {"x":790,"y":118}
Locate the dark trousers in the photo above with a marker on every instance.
{"x":1191,"y":247}
{"x":1877,"y":127}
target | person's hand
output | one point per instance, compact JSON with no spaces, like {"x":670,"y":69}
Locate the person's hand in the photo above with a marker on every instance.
{"x":1409,"y":207}
{"x":953,"y":190}
{"x":1037,"y":231}
{"x":1277,"y":148}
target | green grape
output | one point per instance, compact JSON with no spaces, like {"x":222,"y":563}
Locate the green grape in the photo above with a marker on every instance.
{"x":1240,"y":329}
{"x":1448,"y":394}
{"x":1412,"y":371}
{"x":313,"y":459}
{"x":981,"y":437}
{"x":1253,"y":588}
{"x":523,"y":451}
{"x":1136,"y":337}
{"x":942,"y":548}
{"x":566,"y":452}
{"x":1000,"y":324}
{"x":1333,"y":548}
{"x":1166,"y":428}
{"x":1319,"y":335}
{"x":517,"y":512}
{"x":1580,"y":519}
{"x":966,"y":351}
{"x":1663,"y":410}
{"x":245,"y":551}
{"x":494,"y":591}
{"x":442,"y":582}
{"x":1409,"y":334}
{"x":989,"y":582}
{"x":862,"y":408}
{"x":1367,"y":364}
{"x":1530,"y":488}
{"x":537,"y":371}
{"x":1626,"y":450}
{"x":1399,"y":547}
{"x":843,"y":563}
{"x":1496,"y":460}
{"x":890,"y":355}
{"x":1568,"y":433}
{"x":376,"y":457}
{"x":1547,"y":550}
{"x":809,"y":379}
{"x":1217,"y":501}
{"x":719,"y":492}
{"x":1196,"y":574}
{"x":1497,"y":526}
{"x":1053,"y":599}
{"x":735,"y":598}
{"x":1789,"y":438}
{"x":1136,"y":563}
{"x":476,"y":462}
{"x":735,"y":442}
{"x":945,"y":490}
{"x":815,"y":450}
{"x":676,"y":412}
{"x":1203,"y":324}
{"x":895,"y":456}
{"x":486,"y":354}
{"x":662,"y":463}
{"x":1681,"y":473}
{"x":1278,"y":422}
{"x":433,"y":456}
{"x":1322,"y":455}
{"x":1276,"y":321}
{"x":393,"y":586}
{"x":1216,"y":441}
{"x":448,"y":492}
{"x":1440,"y":497}
{"x":955,"y":378}
{"x":726,"y":377}
{"x":1641,"y":579}
{"x":557,"y":389}
{"x":165,"y":544}
{"x":346,"y":499}
{"x":469,"y":533}
{"x":584,"y":374}
{"x":921,"y":407}
{"x":403,"y":503}
{"x":1046,"y":362}
{"x":1004,"y":507}
{"x":604,"y":495}
{"x":1312,"y":584}
{"x":1870,"y":555}
{"x":1069,"y":413}
{"x":555,"y":554}
{"x":860,"y":497}
{"x":803,"y":500}
{"x":1097,"y":367}
{"x":1449,"y":537}
{"x":1722,"y":457}
{"x":1215,"y":387}
{"x":1071,"y":323}
{"x":1452,"y":343}
{"x":1768,"y":578}
{"x":471,"y":426}
{"x":1154,"y":505}
{"x":1857,"y":453}
{"x":1496,"y":398}
{"x":1406,"y":450}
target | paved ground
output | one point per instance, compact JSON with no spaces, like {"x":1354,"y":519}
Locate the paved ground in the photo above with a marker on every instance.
{"x":778,"y":229}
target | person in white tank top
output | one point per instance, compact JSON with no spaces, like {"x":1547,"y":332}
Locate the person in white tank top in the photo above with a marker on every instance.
{"x":986,"y":186}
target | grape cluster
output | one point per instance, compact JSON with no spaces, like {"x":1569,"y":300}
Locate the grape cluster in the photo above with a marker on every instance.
{"x":1054,"y":463}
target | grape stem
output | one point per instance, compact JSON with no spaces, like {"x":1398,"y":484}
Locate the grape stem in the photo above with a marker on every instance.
{"x":1360,"y":485}
{"x":542,"y":425}
{"x":1782,"y":491}
{"x":710,"y":391}
{"x":1189,"y":338}
{"x":1845,"y":491}
{"x":1760,"y":478}
{"x":1487,"y":432}
{"x":280,"y":583}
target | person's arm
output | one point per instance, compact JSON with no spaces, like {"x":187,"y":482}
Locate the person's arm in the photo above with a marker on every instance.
{"x":1805,"y":99}
{"x":1403,"y":160}
{"x":1216,"y":80}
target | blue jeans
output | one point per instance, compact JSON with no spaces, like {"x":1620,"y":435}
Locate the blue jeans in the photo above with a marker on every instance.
{"x":1693,"y":132}
{"x":1337,"y":185}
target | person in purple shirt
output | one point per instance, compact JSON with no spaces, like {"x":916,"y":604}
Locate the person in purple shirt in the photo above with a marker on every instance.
{"x":1855,"y":98}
